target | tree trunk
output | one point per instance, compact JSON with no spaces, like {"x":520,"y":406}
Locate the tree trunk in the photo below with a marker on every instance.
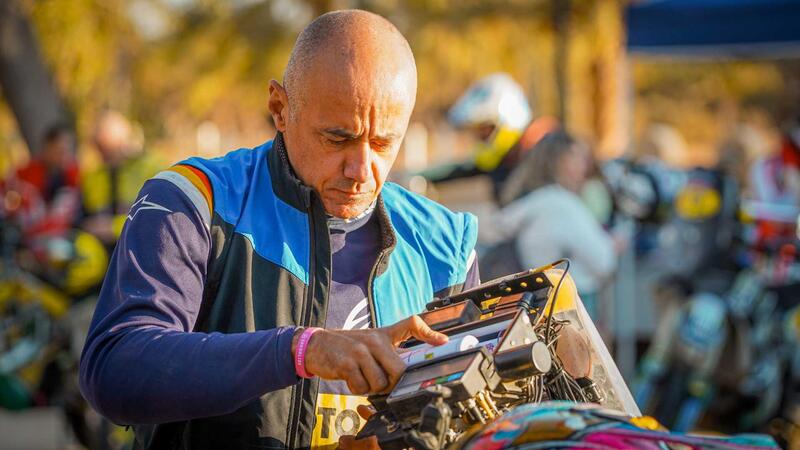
{"x":561,"y":13}
{"x":24,"y":78}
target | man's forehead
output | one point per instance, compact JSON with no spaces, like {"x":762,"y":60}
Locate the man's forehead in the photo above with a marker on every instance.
{"x":337,"y":99}
{"x":379,"y":78}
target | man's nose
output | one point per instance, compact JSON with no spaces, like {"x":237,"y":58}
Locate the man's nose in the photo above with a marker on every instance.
{"x":358,"y":166}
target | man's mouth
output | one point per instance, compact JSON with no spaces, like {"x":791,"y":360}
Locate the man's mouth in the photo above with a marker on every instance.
{"x":344,"y":197}
{"x":351,"y":194}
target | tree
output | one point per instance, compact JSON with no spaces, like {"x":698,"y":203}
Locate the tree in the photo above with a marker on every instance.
{"x":24,"y":78}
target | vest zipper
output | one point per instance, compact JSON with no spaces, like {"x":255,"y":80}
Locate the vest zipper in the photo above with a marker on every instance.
{"x":370,"y":296}
{"x":309,"y":300}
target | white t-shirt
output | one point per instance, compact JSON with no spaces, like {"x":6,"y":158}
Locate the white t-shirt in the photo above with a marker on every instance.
{"x":552,"y":223}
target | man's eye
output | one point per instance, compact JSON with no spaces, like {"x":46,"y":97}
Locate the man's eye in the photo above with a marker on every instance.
{"x":337,"y":142}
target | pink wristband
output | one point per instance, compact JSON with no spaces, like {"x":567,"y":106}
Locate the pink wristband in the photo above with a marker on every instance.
{"x":300,"y":352}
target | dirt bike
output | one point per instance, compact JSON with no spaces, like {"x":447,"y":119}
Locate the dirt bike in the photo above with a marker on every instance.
{"x":726,"y":361}
{"x":517,"y":344}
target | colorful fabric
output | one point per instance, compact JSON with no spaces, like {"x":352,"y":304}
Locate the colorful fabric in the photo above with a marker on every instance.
{"x":567,"y":425}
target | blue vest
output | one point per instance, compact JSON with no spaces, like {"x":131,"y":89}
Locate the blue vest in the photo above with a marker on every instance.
{"x":270,"y":267}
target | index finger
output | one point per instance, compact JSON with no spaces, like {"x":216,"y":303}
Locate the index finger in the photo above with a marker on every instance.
{"x":415,"y":327}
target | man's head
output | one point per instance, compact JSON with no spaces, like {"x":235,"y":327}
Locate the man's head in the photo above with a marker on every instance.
{"x":58,"y":146}
{"x":344,"y":106}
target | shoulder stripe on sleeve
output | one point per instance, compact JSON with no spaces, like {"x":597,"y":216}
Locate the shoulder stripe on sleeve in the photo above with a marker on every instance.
{"x":190,"y":189}
{"x":198,"y":179}
{"x":208,"y":191}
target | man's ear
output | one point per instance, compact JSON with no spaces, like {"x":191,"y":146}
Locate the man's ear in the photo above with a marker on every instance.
{"x":278,"y":105}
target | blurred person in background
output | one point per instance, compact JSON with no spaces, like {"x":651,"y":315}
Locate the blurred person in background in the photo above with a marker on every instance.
{"x":109,"y":190}
{"x":49,"y":209}
{"x":51,"y":195}
{"x":545,"y":218}
{"x":496,"y":111}
{"x":773,"y":195}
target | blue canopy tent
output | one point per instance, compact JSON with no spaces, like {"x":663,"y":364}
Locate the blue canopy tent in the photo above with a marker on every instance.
{"x":748,"y":29}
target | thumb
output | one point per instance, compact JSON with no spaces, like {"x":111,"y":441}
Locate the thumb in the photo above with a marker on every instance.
{"x":365,"y":411}
{"x":415,"y":327}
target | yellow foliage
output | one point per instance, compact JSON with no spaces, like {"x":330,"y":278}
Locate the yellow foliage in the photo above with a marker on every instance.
{"x":215,"y":60}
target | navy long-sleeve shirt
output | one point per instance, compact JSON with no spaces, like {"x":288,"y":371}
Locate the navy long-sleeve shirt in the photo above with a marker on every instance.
{"x":141,"y":362}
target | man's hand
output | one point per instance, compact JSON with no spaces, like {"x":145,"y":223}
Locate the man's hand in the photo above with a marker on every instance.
{"x":365,"y":359}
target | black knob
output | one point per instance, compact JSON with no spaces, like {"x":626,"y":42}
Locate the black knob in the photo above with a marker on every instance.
{"x":523,"y":361}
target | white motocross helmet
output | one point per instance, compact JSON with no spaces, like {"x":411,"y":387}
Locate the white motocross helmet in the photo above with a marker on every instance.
{"x":495,"y":99}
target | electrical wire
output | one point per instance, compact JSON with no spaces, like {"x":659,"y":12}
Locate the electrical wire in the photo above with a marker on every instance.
{"x":557,"y":383}
{"x":555,"y":297}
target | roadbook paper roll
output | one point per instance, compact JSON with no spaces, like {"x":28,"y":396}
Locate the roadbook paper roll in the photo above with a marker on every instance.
{"x":426,"y":352}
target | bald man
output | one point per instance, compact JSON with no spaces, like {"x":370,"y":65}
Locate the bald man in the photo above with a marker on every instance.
{"x":254,"y":299}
